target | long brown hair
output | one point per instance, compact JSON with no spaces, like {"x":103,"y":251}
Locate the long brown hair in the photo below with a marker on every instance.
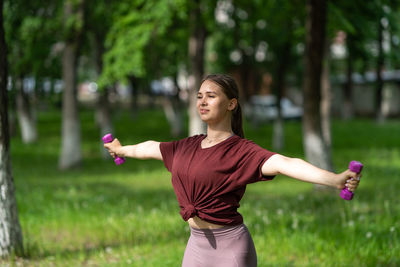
{"x":230,"y":89}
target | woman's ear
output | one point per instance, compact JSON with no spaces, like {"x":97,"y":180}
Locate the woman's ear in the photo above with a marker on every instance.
{"x":232,"y":104}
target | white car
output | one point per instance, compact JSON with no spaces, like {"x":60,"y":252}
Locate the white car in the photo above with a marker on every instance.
{"x":263,"y":108}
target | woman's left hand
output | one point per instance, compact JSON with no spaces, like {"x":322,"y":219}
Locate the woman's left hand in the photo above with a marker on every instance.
{"x":349,"y":179}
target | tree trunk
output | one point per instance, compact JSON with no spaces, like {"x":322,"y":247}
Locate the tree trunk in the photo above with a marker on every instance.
{"x":71,"y":133}
{"x":26,"y":115}
{"x":196,"y":56}
{"x":326,"y":104}
{"x":10,"y":229}
{"x":245,"y":69}
{"x":71,"y":155}
{"x":103,"y":118}
{"x":379,"y":82}
{"x":103,"y":110}
{"x":103,"y":113}
{"x":314,"y":146}
{"x":173,"y":111}
{"x":173,"y":116}
{"x":348,"y":110}
{"x":178,"y":108}
{"x":278,"y":140}
{"x":12,"y":109}
{"x":134,"y":95}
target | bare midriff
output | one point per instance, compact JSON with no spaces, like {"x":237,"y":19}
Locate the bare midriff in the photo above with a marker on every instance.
{"x":198,"y":223}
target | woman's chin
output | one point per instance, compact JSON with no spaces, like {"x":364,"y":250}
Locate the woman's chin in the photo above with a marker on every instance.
{"x":203,"y":117}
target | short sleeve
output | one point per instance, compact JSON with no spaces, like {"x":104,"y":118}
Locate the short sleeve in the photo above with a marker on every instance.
{"x":251,"y":163}
{"x":167,"y":151}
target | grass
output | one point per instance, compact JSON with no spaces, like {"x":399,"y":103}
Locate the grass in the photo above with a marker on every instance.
{"x":107,"y":215}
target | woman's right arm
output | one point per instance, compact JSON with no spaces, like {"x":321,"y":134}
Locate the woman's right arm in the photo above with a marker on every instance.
{"x":145,"y":150}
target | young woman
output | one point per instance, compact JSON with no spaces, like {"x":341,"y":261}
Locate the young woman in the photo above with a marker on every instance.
{"x":210,"y":173}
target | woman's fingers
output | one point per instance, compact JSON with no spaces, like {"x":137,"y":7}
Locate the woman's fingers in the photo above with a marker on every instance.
{"x":112,"y":147}
{"x":353,"y":183}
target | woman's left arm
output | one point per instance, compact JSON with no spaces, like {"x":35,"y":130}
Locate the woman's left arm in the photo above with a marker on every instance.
{"x":304,"y":171}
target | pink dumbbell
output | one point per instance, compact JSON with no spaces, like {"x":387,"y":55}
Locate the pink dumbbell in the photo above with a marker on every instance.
{"x":356,"y":167}
{"x":108,"y":138}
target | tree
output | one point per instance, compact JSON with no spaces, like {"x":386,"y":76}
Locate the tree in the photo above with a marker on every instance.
{"x":97,"y":27}
{"x":10,"y":229}
{"x":326,"y":99}
{"x":284,"y":37}
{"x":368,"y":27}
{"x":147,"y":41}
{"x":278,"y":141}
{"x":385,"y":23}
{"x":260,"y":37}
{"x":314,"y":145}
{"x":135,"y":25}
{"x":26,"y":113}
{"x":71,"y":155}
{"x":197,"y":40}
{"x":236,"y":40}
{"x":379,"y":69}
{"x":348,"y":110}
{"x":28,"y":23}
{"x":166,"y":57}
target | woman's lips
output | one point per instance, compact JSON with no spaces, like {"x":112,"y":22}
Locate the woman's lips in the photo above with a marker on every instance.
{"x":203,"y":111}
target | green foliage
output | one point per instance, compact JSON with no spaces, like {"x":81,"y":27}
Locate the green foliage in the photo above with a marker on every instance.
{"x":73,"y":24}
{"x":253,"y":28}
{"x":132,"y":33}
{"x":149,"y":39}
{"x":107,"y":215}
{"x":30,"y":34}
{"x":360,"y":21}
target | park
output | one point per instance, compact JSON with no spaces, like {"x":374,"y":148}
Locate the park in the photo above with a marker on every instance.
{"x":73,"y":71}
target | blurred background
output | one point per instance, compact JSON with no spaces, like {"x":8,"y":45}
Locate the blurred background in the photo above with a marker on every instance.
{"x":317,"y":79}
{"x":109,"y":55}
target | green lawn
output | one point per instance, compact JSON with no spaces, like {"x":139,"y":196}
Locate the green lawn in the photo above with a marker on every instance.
{"x":107,"y":215}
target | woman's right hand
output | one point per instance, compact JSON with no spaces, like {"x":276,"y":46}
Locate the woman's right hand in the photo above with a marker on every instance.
{"x":114,"y":148}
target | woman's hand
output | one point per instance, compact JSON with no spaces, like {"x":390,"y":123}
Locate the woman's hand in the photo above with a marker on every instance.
{"x":304,"y":171}
{"x":348,"y":179}
{"x":114,"y":148}
{"x":146,"y":150}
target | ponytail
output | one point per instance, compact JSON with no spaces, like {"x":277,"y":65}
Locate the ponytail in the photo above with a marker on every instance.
{"x":237,"y":121}
{"x":230,"y":89}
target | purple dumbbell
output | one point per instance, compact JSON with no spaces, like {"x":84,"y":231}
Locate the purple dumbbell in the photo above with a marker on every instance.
{"x":354,"y":166}
{"x":108,"y":138}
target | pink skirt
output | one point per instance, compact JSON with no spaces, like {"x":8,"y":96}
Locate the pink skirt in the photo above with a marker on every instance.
{"x":230,"y":246}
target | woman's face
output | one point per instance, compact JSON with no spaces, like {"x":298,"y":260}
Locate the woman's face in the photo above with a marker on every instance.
{"x":213,"y":105}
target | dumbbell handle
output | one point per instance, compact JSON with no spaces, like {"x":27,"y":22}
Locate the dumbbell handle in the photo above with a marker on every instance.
{"x":354,"y":166}
{"x":108,"y":138}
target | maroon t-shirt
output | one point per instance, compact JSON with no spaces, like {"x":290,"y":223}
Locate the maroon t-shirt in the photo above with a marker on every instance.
{"x":210,"y":182}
